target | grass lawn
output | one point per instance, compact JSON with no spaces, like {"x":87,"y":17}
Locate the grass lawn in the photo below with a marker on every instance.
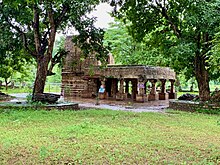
{"x":48,"y":89}
{"x":108,"y":137}
{"x":16,"y":90}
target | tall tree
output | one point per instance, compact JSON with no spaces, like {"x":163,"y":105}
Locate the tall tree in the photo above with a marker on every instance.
{"x":126,"y":50}
{"x":38,"y":21}
{"x":189,"y":24}
{"x":12,"y":54}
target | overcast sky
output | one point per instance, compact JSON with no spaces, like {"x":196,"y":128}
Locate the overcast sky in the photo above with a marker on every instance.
{"x":102,"y":14}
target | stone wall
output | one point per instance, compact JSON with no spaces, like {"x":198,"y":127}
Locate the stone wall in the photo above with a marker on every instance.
{"x":73,"y":85}
{"x":75,"y":61}
{"x":73,"y":82}
{"x":134,"y":71}
{"x":190,"y":106}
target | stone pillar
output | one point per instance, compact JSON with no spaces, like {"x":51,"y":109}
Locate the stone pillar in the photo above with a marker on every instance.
{"x":134,"y":89}
{"x":172,"y":94}
{"x":120,"y":94}
{"x":163,"y":95}
{"x":121,"y":88}
{"x":126,"y":86}
{"x":153,"y":95}
{"x":141,"y":97}
{"x":145,"y":87}
{"x":163,"y":86}
{"x":114,"y":87}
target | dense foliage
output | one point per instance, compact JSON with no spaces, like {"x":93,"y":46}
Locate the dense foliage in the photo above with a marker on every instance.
{"x":37,"y":22}
{"x":182,"y":29}
{"x":12,"y":55}
{"x":126,"y":50}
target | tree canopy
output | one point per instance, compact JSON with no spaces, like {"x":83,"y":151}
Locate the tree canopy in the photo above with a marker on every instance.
{"x":36,"y":22}
{"x":127,"y":50}
{"x":184,"y":30}
{"x":12,"y":55}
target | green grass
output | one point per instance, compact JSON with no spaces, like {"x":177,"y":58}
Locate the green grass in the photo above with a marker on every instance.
{"x":48,"y":89}
{"x":16,"y":90}
{"x":108,"y":137}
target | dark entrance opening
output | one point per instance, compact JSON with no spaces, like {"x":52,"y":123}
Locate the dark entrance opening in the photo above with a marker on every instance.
{"x":108,"y":87}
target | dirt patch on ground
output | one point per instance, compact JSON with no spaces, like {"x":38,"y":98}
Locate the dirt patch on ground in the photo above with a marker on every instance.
{"x":150,"y":106}
{"x":128,"y":105}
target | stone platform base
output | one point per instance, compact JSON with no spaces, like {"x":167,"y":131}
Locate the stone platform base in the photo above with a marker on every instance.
{"x":121,"y":97}
{"x":103,"y":95}
{"x":191,"y":106}
{"x":163,"y":96}
{"x":183,"y":105}
{"x":153,"y":97}
{"x":63,"y":106}
{"x":141,"y":98}
{"x":172,"y":95}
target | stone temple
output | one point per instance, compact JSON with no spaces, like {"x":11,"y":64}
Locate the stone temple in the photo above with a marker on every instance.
{"x":87,"y":79}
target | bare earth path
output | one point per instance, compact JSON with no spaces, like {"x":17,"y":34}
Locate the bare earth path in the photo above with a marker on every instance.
{"x":150,"y":106}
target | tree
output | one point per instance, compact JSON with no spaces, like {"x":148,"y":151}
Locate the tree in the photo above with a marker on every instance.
{"x":126,"y":50}
{"x":39,"y":21}
{"x":12,"y":55}
{"x":185,"y":24}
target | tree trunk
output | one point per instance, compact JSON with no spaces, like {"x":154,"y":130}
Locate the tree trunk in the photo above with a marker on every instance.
{"x":202,"y":75}
{"x":41,"y":75}
{"x":43,"y":58}
{"x":6,"y":84}
{"x":202,"y":78}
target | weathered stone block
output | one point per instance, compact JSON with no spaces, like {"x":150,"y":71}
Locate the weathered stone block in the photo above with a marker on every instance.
{"x":141,"y":98}
{"x":163,"y":96}
{"x":153,"y":97}
{"x":172,"y":95}
{"x":119,"y":96}
{"x":103,"y":95}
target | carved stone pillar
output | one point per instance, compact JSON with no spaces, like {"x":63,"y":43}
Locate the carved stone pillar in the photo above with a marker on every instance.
{"x":172,"y":94}
{"x":153,"y":86}
{"x":120,"y":94}
{"x":145,"y":87}
{"x":153,"y":95}
{"x":141,"y":97}
{"x":172,"y":86}
{"x":163,"y":95}
{"x":134,"y":89}
{"x":163,"y":86}
{"x":114,"y":88}
{"x":126,"y":86}
{"x":121,"y":88}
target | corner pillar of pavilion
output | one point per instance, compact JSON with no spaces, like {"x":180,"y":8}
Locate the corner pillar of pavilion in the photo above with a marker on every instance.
{"x":172,"y":94}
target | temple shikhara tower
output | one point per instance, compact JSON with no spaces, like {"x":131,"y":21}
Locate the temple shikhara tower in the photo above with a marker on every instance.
{"x":86,"y":79}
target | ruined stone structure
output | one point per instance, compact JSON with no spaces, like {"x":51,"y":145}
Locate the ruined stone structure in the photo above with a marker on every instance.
{"x":83,"y":78}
